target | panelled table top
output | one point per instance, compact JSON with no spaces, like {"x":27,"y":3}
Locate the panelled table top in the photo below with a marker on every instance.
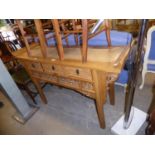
{"x":104,"y":59}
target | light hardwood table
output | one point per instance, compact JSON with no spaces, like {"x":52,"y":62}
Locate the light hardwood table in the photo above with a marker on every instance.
{"x":91,"y":78}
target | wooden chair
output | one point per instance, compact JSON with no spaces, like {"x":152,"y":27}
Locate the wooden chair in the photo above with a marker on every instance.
{"x":106,"y":36}
{"x":48,"y":33}
{"x":94,"y":37}
{"x":70,"y":39}
{"x":149,"y":57}
{"x":117,"y":38}
{"x":57,"y":34}
{"x":29,"y":32}
{"x":20,"y":75}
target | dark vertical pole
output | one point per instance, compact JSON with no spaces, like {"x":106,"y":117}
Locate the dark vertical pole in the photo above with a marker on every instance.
{"x":133,"y":75}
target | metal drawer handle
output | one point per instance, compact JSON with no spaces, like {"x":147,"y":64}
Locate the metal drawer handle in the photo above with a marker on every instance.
{"x":77,"y":72}
{"x":53,"y":68}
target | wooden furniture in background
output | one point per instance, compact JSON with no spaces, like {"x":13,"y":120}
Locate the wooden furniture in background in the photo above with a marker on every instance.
{"x":86,"y":70}
{"x":149,"y":55}
{"x":6,"y":56}
{"x":128,"y":25}
{"x":150,"y":130}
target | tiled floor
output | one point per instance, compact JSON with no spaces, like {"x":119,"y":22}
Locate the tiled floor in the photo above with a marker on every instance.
{"x":69,"y":112}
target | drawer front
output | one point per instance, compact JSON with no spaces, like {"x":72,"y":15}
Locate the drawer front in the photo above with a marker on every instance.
{"x":69,"y":82}
{"x":34,"y":66}
{"x":52,"y":68}
{"x":78,"y":72}
{"x":87,"y":86}
{"x":35,"y":74}
{"x":43,"y":76}
{"x":50,"y":78}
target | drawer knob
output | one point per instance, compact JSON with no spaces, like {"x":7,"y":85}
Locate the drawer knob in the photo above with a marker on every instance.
{"x":53,"y":68}
{"x":33,"y":65}
{"x":77,"y":72}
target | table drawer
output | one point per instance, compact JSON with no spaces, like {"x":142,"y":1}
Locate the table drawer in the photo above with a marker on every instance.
{"x":43,"y":76}
{"x":50,"y":78}
{"x":78,"y":72}
{"x":87,"y":86}
{"x":52,"y":68}
{"x":69,"y":82}
{"x":34,"y":66}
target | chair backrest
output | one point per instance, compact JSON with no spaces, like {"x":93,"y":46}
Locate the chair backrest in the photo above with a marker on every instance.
{"x":10,"y":46}
{"x":150,"y":48}
{"x":106,"y":26}
{"x":84,"y":35}
{"x":58,"y":36}
{"x":71,"y":30}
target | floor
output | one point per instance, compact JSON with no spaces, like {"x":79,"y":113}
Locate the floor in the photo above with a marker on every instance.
{"x":69,"y":112}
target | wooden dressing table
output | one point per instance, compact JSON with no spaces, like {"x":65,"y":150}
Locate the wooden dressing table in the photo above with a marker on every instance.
{"x":90,"y":77}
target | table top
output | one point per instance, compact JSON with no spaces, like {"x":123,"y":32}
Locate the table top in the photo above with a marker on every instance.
{"x":106,"y":59}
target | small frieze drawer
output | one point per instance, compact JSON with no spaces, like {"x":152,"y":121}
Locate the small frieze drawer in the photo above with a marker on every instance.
{"x":34,"y":66}
{"x":35,"y":74}
{"x":87,"y":86}
{"x":69,"y":82}
{"x":52,"y":68}
{"x":52,"y":78}
{"x":78,"y":72}
{"x":43,"y":76}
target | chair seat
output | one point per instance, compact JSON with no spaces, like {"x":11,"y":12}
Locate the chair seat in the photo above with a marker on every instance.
{"x":123,"y":78}
{"x":117,"y":39}
{"x":51,"y":42}
{"x":151,"y":67}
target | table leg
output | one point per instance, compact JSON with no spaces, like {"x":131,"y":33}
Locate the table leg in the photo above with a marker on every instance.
{"x":37,"y":84}
{"x":100,"y":89}
{"x":111,"y":91}
{"x":41,"y":93}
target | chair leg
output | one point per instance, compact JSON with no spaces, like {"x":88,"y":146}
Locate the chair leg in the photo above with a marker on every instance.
{"x":111,"y":91}
{"x":143,"y":78}
{"x":30,"y":94}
